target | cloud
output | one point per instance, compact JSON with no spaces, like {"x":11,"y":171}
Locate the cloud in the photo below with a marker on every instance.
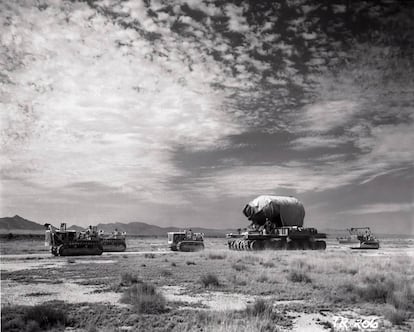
{"x":380,"y":208}
{"x":388,"y":152}
{"x":312,"y":142}
{"x":294,"y":177}
{"x":237,"y":22}
{"x":392,"y":143}
{"x":208,"y":8}
{"x":328,"y":115}
{"x":86,"y":108}
{"x":99,"y":99}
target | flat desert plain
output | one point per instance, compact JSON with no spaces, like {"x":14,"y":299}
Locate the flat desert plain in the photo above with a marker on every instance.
{"x":149,"y":288}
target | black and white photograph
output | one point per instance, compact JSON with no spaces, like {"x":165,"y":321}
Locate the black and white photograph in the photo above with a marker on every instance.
{"x":207,"y":165}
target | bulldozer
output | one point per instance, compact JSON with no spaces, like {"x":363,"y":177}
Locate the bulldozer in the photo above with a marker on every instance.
{"x":116,"y":241}
{"x":185,"y":241}
{"x":277,"y":224}
{"x":367,"y":240}
{"x":67,"y":242}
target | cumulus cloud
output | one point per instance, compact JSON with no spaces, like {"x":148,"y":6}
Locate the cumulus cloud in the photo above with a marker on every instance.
{"x":207,"y":7}
{"x":100,"y":99}
{"x":87,"y":108}
{"x":237,"y":22}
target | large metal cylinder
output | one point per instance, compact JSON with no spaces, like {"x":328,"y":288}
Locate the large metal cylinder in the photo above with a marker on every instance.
{"x":279,"y":210}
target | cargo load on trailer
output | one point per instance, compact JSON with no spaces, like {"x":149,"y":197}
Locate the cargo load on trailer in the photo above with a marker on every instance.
{"x":276,"y":223}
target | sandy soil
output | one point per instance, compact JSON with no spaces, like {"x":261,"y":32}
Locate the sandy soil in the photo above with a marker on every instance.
{"x":35,"y":278}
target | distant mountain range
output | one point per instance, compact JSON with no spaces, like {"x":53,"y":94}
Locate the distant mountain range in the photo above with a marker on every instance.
{"x":19,"y":224}
{"x":140,"y":228}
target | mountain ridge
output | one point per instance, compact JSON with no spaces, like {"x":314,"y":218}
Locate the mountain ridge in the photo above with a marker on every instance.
{"x":18,"y":223}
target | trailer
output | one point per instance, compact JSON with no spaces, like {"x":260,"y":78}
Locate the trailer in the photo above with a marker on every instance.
{"x":276,"y":223}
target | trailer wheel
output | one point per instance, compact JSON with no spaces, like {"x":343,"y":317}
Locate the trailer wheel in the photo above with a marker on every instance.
{"x":239,"y":244}
{"x":242,"y":245}
{"x":253,"y":245}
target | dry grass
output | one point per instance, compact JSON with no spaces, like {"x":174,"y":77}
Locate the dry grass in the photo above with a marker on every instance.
{"x":262,"y":278}
{"x":260,"y":308}
{"x":166,"y":273}
{"x":34,"y":318}
{"x":127,"y":279}
{"x":269,"y":264}
{"x":238,"y":280}
{"x":395,"y":316}
{"x":250,"y":324}
{"x":341,"y":280}
{"x":300,"y":272}
{"x":257,"y":317}
{"x":386,"y":283}
{"x":299,"y":275}
{"x":209,"y":280}
{"x":144,"y":298}
{"x":239,"y":267}
{"x":217,"y":256}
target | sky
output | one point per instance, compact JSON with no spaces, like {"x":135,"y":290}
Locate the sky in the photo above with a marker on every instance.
{"x":180,"y":112}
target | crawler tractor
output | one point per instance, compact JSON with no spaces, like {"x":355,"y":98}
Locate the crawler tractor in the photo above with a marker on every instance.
{"x":276,"y":223}
{"x":116,"y":241}
{"x":185,"y":241}
{"x":367,"y":240}
{"x":66,"y":242}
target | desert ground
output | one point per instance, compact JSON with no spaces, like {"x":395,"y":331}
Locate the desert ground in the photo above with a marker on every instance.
{"x":149,"y":288}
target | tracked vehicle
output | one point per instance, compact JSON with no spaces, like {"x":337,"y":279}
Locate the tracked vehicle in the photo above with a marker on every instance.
{"x":66,"y":242}
{"x":276,"y":223}
{"x":116,"y":241}
{"x":185,"y":241}
{"x":350,"y":239}
{"x":367,"y":240}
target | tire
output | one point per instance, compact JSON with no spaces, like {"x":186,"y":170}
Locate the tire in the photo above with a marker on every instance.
{"x":238,"y":244}
{"x":253,"y":245}
{"x":247,"y":245}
